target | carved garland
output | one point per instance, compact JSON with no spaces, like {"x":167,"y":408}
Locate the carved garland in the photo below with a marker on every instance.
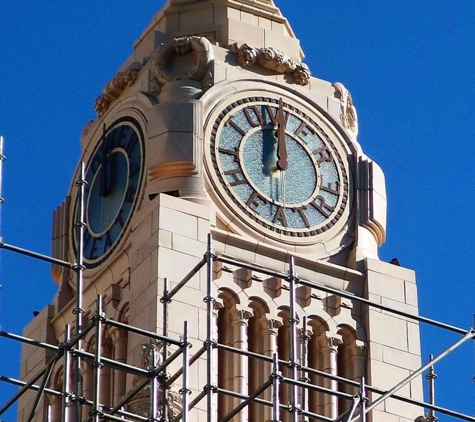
{"x":272,"y":59}
{"x":199,"y":70}
{"x":115,"y":87}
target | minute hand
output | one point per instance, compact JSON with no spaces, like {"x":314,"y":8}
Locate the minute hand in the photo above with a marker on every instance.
{"x":282,"y":163}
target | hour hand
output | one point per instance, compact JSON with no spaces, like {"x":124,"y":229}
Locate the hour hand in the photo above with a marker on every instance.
{"x":282,"y":163}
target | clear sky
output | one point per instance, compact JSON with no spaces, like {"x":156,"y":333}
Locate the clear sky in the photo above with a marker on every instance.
{"x":408,"y":66}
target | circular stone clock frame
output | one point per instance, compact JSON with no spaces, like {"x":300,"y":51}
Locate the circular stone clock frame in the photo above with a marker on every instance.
{"x":111,"y":196}
{"x":302,"y":198}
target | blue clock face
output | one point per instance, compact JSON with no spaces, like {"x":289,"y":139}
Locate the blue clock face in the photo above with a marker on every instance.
{"x":113,"y":183}
{"x":279,"y":167}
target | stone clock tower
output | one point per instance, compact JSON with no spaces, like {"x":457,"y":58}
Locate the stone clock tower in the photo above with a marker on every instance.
{"x":219,"y":167}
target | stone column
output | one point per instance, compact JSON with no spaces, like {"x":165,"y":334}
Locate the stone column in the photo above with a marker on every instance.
{"x":87,"y":373}
{"x":55,"y":406}
{"x":305,"y":333}
{"x":358,"y":359}
{"x":269,"y":330}
{"x":329,"y":348}
{"x":240,"y":319}
{"x":119,"y":344}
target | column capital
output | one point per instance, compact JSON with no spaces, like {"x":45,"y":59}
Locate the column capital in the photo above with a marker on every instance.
{"x":329,"y":341}
{"x":270,"y":323}
{"x":241,"y":314}
{"x":358,"y":349}
{"x":116,"y":334}
{"x":217,"y":305}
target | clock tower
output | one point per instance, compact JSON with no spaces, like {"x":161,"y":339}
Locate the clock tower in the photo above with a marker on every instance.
{"x":224,"y":211}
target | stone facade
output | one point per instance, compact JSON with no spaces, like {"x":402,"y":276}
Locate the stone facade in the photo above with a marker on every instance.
{"x":193,"y":56}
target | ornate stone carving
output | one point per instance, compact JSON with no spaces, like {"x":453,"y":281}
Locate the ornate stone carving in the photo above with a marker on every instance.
{"x":167,"y":65}
{"x":348,"y":115}
{"x":272,"y":59}
{"x":115,"y":87}
{"x":330,"y":341}
{"x":140,"y":404}
{"x":270,"y":323}
{"x":241,"y":315}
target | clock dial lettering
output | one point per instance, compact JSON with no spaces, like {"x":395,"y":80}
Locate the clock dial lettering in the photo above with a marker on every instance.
{"x":233,"y":124}
{"x":235,"y":153}
{"x":134,"y":169}
{"x":324,"y":153}
{"x":95,"y":163}
{"x":238,"y":177}
{"x":254,"y":199}
{"x":301,"y":210}
{"x":304,"y":130}
{"x":107,"y":243}
{"x":277,"y":168}
{"x":120,"y":220}
{"x":255,"y":118}
{"x":130,"y":194}
{"x":320,"y":204}
{"x":279,"y":217}
{"x":329,"y":189}
{"x":132,"y":143}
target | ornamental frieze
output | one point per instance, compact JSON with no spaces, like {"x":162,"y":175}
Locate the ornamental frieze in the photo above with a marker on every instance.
{"x":115,"y":87}
{"x":272,"y":59}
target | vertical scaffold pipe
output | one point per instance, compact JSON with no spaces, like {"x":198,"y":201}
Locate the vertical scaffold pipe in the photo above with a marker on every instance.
{"x":363,"y":400}
{"x":79,"y":269}
{"x":153,"y":387}
{"x":185,"y":390}
{"x":66,"y":375}
{"x":163,"y":378}
{"x":211,"y":408}
{"x":293,"y":339}
{"x":304,"y":339}
{"x":96,"y":412}
{"x":431,"y":377}
{"x":275,"y":389}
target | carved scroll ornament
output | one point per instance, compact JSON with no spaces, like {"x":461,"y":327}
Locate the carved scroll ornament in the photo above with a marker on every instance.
{"x":348,"y":115}
{"x":198,"y":50}
{"x":272,"y":59}
{"x":115,"y":87}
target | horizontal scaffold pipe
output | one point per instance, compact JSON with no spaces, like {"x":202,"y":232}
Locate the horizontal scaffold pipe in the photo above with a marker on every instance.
{"x":36,"y":255}
{"x":145,"y":333}
{"x":33,"y":387}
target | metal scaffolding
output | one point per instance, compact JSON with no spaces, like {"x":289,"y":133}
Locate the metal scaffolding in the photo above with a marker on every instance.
{"x":155,"y":379}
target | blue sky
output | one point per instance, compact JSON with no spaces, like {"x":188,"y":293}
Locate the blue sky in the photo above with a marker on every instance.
{"x":408,"y":65}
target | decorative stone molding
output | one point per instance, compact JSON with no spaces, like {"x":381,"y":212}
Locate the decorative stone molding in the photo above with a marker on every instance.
{"x":241,"y":315}
{"x":330,"y":341}
{"x":173,"y":169}
{"x":140,"y":404}
{"x":115,"y":87}
{"x":348,"y":115}
{"x":272,"y":59}
{"x":270,"y":323}
{"x":167,"y":66}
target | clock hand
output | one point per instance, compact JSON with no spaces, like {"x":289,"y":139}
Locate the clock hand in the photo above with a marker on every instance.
{"x":104,"y":186}
{"x":282,"y":163}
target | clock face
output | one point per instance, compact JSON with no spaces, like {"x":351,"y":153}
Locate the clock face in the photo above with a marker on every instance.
{"x":113,"y":184}
{"x":279,"y":166}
